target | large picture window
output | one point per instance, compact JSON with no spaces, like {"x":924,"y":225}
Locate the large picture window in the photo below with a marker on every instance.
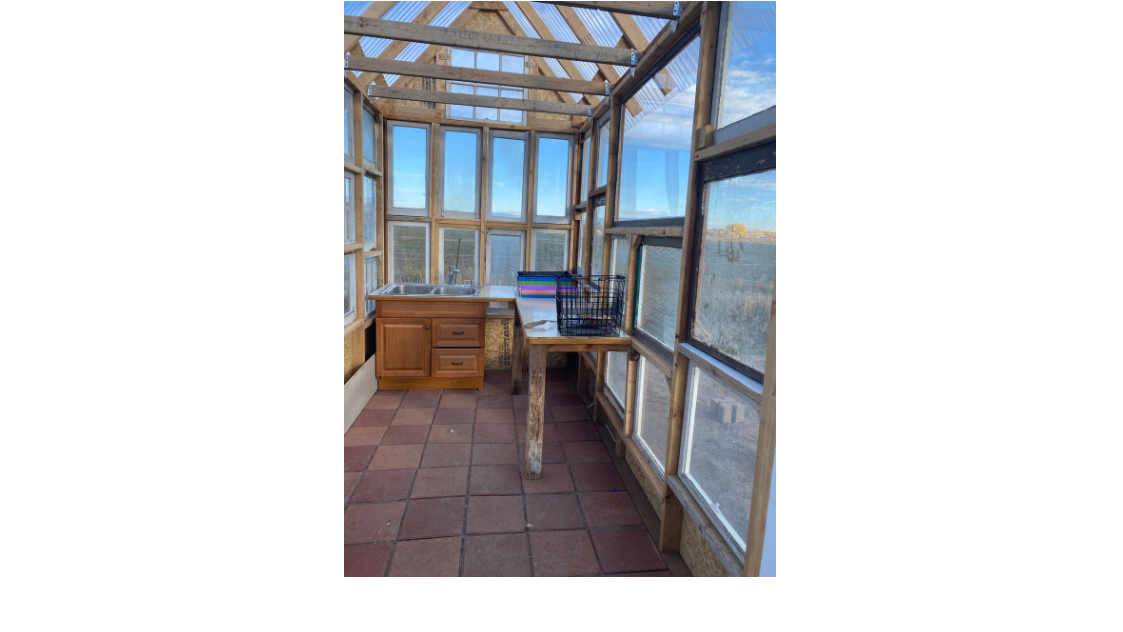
{"x":408,"y":244}
{"x":484,"y":60}
{"x":459,"y":251}
{"x":408,"y":169}
{"x":549,"y":250}
{"x":552,"y":181}
{"x":746,"y":62}
{"x":460,"y":172}
{"x":506,"y":199}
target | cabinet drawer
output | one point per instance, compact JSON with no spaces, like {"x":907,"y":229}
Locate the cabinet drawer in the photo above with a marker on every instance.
{"x":458,"y":362}
{"x":457,"y":332}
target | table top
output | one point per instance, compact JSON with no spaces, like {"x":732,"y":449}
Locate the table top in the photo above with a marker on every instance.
{"x":488,"y":294}
{"x":532,"y":309}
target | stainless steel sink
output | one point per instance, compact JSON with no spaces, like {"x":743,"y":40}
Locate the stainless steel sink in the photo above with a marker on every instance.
{"x":423,"y":289}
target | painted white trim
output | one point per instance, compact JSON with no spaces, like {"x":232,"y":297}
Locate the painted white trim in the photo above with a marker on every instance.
{"x":357,"y":391}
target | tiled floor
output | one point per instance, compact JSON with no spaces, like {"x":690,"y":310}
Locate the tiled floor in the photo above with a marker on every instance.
{"x":432,"y":486}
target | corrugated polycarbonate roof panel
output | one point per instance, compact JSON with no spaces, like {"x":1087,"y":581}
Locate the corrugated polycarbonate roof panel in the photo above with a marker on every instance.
{"x":527,"y":28}
{"x":601,"y":26}
{"x":354,"y":8}
{"x":414,"y":49}
{"x":683,"y":70}
{"x":400,"y":12}
{"x":650,"y":27}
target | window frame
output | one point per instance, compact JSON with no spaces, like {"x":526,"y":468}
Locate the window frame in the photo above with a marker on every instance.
{"x":586,"y":167}
{"x":441,"y":253}
{"x":349,"y":125}
{"x":390,"y":208}
{"x":513,"y":135}
{"x":534,"y":249}
{"x":476,"y":85}
{"x":349,"y":259}
{"x":349,"y":203}
{"x":567,"y":217}
{"x":371,"y":210}
{"x":370,"y":282}
{"x":603,"y":128}
{"x":390,"y":225}
{"x":660,"y":242}
{"x":620,"y":404}
{"x":598,"y":202}
{"x":373,"y":144}
{"x":475,"y":214}
{"x":582,"y":226}
{"x":508,"y":232}
{"x":656,"y":462}
{"x":750,"y":123}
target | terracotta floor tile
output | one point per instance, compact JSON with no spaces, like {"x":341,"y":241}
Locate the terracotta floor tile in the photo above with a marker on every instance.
{"x":366,"y":560}
{"x":432,"y":518}
{"x":553,"y":511}
{"x":461,"y":391}
{"x":493,"y":415}
{"x":438,"y":557}
{"x":356,"y":459}
{"x":420,"y":400}
{"x":549,"y":433}
{"x":405,"y":435}
{"x":382,"y":485}
{"x":551,"y":453}
{"x":374,"y":417}
{"x":396,"y":457}
{"x":440,"y":481}
{"x":382,"y":400}
{"x":494,"y":480}
{"x":505,"y":555}
{"x":497,"y":376}
{"x":493,"y":454}
{"x":372,"y":523}
{"x":452,"y":433}
{"x":521,"y":416}
{"x":569,"y":413}
{"x":582,"y":451}
{"x":490,"y":388}
{"x":555,"y":479}
{"x":644,"y":574}
{"x":608,"y":509}
{"x":520,"y":400}
{"x":456,"y":400}
{"x":493,"y":433}
{"x":370,"y":435}
{"x":447,"y":455}
{"x":565,"y":400}
{"x":493,"y":401}
{"x":593,"y":477}
{"x":563,"y":553}
{"x":350,"y":479}
{"x":626,"y":549}
{"x":495,"y":514}
{"x":447,"y":416}
{"x":577,"y":431}
{"x":413,"y":417}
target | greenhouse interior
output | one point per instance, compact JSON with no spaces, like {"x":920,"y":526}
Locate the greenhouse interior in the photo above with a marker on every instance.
{"x":559,"y":289}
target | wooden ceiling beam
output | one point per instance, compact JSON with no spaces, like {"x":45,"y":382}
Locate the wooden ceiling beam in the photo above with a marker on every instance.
{"x":390,"y":52}
{"x":544,"y":32}
{"x":375,"y":10}
{"x":472,"y":75}
{"x":578,"y":27}
{"x":663,"y":10}
{"x":485,"y":41}
{"x":540,"y":62}
{"x":433,"y":96}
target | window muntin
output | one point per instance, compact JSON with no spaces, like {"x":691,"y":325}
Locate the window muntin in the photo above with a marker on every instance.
{"x":460,"y":172}
{"x":653,"y":413}
{"x":746,"y":61}
{"x":602,"y":154}
{"x":466,"y":242}
{"x":370,"y":204}
{"x":616,"y":377}
{"x":585,"y":170}
{"x":552,"y":184}
{"x":369,"y":137}
{"x":736,"y":270}
{"x":370,"y":280}
{"x":505,"y":256}
{"x":348,"y":288}
{"x":348,"y":208}
{"x":408,"y":245}
{"x":483,"y":60}
{"x":718,"y":452}
{"x":549,"y":250}
{"x":506,"y":198}
{"x":657,"y":303}
{"x":348,"y":126}
{"x":655,"y":150}
{"x":408,"y":169}
{"x":598,"y":238}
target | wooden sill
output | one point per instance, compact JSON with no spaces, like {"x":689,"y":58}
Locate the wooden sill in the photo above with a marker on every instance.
{"x":729,"y":559}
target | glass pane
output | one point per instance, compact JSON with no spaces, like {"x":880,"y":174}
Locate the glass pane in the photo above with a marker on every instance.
{"x":370,"y":228}
{"x":549,"y":250}
{"x":619,"y":256}
{"x":409,"y":254}
{"x":582,"y":238}
{"x":463,"y":111}
{"x":463,"y":58}
{"x":370,"y":279}
{"x":616,"y":375}
{"x":411,"y":153}
{"x":738,"y":268}
{"x":368,"y":135}
{"x":598,"y":240}
{"x":348,"y":209}
{"x":657,"y":305}
{"x":511,"y":93}
{"x":487,"y":114}
{"x":602,"y":155}
{"x":347,"y":305}
{"x":513,"y":64}
{"x":553,"y":172}
{"x":511,"y":116}
{"x":460,"y":172}
{"x":748,"y":63}
{"x":487,"y":61}
{"x":585,"y":173}
{"x":720,"y":442}
{"x":507,"y":177}
{"x":655,"y":153}
{"x":505,"y":259}
{"x":654,"y":412}
{"x":459,"y":254}
{"x":348,"y":126}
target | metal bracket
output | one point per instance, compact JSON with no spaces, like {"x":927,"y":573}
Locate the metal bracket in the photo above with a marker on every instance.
{"x":607,"y":89}
{"x":370,"y":90}
{"x":677,"y":13}
{"x":346,"y":58}
{"x":588,"y":111}
{"x":633,"y":69}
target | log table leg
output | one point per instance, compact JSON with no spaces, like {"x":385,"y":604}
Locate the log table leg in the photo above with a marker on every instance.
{"x":516,"y":354}
{"x":536,"y":409}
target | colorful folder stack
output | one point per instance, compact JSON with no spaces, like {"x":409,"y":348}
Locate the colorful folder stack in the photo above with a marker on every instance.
{"x":537,"y":284}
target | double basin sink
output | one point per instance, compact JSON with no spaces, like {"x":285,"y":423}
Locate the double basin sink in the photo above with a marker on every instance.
{"x":425,"y":289}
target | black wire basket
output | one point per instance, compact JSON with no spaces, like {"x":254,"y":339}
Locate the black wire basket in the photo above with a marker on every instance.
{"x":590,"y":305}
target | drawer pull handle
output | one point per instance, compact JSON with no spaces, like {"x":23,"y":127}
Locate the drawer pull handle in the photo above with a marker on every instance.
{"x":457,"y":363}
{"x":458,"y":333}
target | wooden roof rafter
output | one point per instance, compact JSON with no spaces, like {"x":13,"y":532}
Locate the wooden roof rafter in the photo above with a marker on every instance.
{"x":661,"y":10}
{"x":390,"y":52}
{"x":585,"y":37}
{"x":540,"y":62}
{"x":544,"y":32}
{"x":375,"y":10}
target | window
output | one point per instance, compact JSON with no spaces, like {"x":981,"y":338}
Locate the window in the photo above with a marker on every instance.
{"x":505,"y":256}
{"x":582,"y":239}
{"x":616,"y":377}
{"x":658,"y":269}
{"x":598,"y":238}
{"x":369,"y":138}
{"x":618,"y":263}
{"x":585,"y":171}
{"x":718,"y":452}
{"x":348,"y":208}
{"x":746,"y":62}
{"x":602,"y":153}
{"x":653,"y":414}
{"x":408,"y":244}
{"x":736,"y":269}
{"x":348,"y":288}
{"x":549,"y":250}
{"x":551,"y":203}
{"x":483,"y":60}
{"x":409,"y":169}
{"x":460,"y":169}
{"x":655,"y":152}
{"x":506,"y":199}
{"x":460,"y":249}
{"x":348,"y":126}
{"x":370,"y":202}
{"x":370,"y":278}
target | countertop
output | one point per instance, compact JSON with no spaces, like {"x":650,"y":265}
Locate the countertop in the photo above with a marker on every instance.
{"x":488,"y":294}
{"x":532,"y":309}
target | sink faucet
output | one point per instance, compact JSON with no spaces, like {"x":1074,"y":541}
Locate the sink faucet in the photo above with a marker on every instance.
{"x":452,"y":275}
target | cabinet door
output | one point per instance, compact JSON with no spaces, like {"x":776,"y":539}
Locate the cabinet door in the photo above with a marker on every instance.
{"x":403,"y":347}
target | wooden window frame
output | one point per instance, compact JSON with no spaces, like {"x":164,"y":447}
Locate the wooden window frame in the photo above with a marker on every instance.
{"x":510,"y":232}
{"x":441,"y":273}
{"x":475,"y":89}
{"x":349,"y":317}
{"x":748,"y":124}
{"x":349,"y":128}
{"x":390,"y":208}
{"x":657,"y":463}
{"x":512,"y":135}
{"x":390,"y":225}
{"x":661,"y":242}
{"x":441,"y":212}
{"x":349,"y":221}
{"x":565,"y":253}
{"x":567,"y":218}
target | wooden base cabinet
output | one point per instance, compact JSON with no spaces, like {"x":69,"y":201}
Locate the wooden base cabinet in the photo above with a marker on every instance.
{"x":443,"y":349}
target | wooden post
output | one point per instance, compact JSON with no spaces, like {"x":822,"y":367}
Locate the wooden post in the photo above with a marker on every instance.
{"x":598,"y":414}
{"x":358,"y":339}
{"x":633,"y":278}
{"x":672,"y":509}
{"x":535,"y":409}
{"x":516,"y":354}
{"x":765,"y":452}
{"x":613,"y":170}
{"x":629,"y":401}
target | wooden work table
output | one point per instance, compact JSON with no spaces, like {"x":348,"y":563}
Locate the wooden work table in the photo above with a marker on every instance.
{"x":543,"y":338}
